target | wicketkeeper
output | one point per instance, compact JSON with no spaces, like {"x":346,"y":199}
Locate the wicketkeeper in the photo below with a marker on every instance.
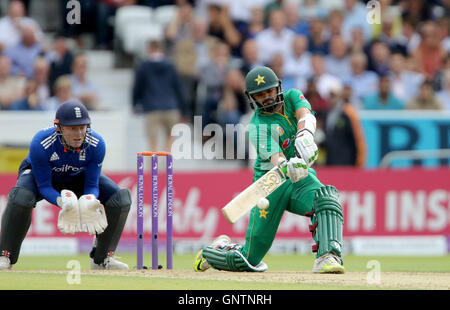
{"x":64,"y":167}
{"x":282,"y":131}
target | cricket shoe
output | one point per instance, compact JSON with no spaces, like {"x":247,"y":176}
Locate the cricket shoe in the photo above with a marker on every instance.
{"x":5,"y":263}
{"x":200,"y":263}
{"x":109,"y":263}
{"x":328,"y":263}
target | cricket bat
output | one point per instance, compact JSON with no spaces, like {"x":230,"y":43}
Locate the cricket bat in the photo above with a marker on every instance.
{"x":246,"y":200}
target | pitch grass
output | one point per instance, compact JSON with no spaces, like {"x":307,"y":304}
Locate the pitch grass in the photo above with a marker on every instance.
{"x":51,"y":273}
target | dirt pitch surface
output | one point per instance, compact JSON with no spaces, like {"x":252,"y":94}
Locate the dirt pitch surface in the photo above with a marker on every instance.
{"x":387,"y":280}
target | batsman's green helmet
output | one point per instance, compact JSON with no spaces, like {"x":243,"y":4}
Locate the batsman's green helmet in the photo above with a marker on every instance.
{"x":260,"y":79}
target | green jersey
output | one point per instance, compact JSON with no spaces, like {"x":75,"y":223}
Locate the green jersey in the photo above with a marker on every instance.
{"x":272,"y":133}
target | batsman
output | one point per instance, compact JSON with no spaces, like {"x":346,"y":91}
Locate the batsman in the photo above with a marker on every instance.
{"x":282,"y":131}
{"x":63,"y":166}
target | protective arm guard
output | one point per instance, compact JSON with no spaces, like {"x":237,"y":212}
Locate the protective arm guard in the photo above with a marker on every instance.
{"x":327,"y":221}
{"x":229,"y":258}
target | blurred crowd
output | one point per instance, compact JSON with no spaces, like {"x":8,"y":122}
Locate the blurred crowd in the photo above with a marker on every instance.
{"x":344,"y":55}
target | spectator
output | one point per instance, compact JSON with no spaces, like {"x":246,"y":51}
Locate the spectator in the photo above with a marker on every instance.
{"x":379,"y":56}
{"x":444,"y":94}
{"x":82,"y":88}
{"x":409,"y":39}
{"x":318,"y":103}
{"x":30,"y":102}
{"x":383,"y":99}
{"x":221,"y":26}
{"x":298,"y":62}
{"x":10,"y":25}
{"x":11,"y":87}
{"x":391,"y":25}
{"x":291,"y":10}
{"x":356,"y":41}
{"x":426,"y":99}
{"x":190,"y":52}
{"x":311,"y":9}
{"x":335,"y":21}
{"x":60,"y":59}
{"x":429,"y":54}
{"x":41,"y":75}
{"x":211,"y":80}
{"x":233,"y":104}
{"x":62,"y":91}
{"x":324,"y":80}
{"x":404,"y":83}
{"x":277,"y":65}
{"x":344,"y":139}
{"x":277,"y":38}
{"x":318,"y":39}
{"x":24,"y":53}
{"x":256,"y":23}
{"x":250,"y":56}
{"x":337,"y":63}
{"x":362,"y":81}
{"x":181,"y":27}
{"x":157,"y":92}
{"x":439,"y":79}
{"x":355,"y":17}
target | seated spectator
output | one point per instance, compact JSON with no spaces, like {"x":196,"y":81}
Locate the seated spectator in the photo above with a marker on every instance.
{"x":30,"y":102}
{"x":277,"y":38}
{"x":41,"y":75}
{"x":355,"y":17}
{"x":318,"y":39}
{"x":277,"y":65}
{"x":63,"y":93}
{"x":311,"y":9}
{"x":318,"y":103}
{"x":10,"y":25}
{"x":60,"y":59}
{"x":337,"y":63}
{"x":256,"y":23}
{"x":405,"y":84}
{"x":250,"y":56}
{"x":444,"y":94}
{"x":298,"y":62}
{"x":426,"y":99}
{"x":294,"y":22}
{"x":212,"y":78}
{"x":82,"y":88}
{"x":362,"y":81}
{"x":383,"y":99}
{"x":379,"y":57}
{"x":389,"y":30}
{"x":24,"y":53}
{"x":335,"y":20}
{"x":11,"y":87}
{"x":221,"y":26}
{"x":429,"y":54}
{"x":324,"y":80}
{"x":233,"y":103}
{"x":409,"y":39}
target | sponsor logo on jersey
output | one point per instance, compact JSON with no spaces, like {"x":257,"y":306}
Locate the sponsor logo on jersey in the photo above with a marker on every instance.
{"x":67,"y":168}
{"x":280,"y":130}
{"x":286,"y":143}
{"x":54,"y":157}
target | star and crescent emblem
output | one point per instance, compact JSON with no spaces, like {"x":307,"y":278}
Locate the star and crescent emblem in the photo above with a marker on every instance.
{"x":260,"y":79}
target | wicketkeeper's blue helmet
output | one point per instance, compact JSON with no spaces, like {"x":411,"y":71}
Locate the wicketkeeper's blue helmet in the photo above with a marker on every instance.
{"x":72,"y":113}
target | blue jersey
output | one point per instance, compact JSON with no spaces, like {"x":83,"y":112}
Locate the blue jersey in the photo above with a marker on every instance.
{"x":51,"y":162}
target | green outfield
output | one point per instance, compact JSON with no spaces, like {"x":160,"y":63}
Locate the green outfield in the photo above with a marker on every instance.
{"x":286,"y":272}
